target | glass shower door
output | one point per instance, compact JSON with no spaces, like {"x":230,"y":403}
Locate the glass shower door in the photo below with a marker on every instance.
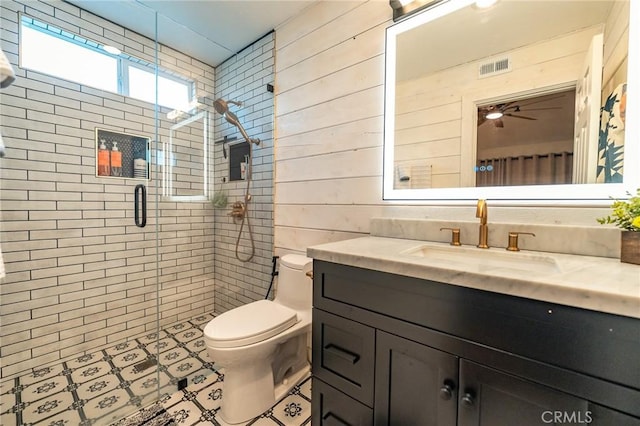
{"x":80,"y":304}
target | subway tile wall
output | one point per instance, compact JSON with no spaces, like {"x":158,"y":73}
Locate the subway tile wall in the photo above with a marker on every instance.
{"x":80,"y":275}
{"x":244,"y":77}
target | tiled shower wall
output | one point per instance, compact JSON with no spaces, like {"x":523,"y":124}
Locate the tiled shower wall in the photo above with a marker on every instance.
{"x":244,"y":77}
{"x":80,"y":275}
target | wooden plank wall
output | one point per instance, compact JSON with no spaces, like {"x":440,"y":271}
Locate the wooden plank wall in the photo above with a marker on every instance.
{"x":616,"y":46}
{"x":329,"y":109}
{"x":329,"y":132}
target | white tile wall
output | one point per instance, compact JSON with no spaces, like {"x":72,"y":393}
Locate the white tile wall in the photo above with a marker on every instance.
{"x":244,"y":77}
{"x":80,"y":275}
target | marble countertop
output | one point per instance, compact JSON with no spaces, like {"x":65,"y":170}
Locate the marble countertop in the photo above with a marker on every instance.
{"x":596,"y":283}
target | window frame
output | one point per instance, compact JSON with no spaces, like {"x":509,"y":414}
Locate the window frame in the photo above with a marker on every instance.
{"x":123,"y":60}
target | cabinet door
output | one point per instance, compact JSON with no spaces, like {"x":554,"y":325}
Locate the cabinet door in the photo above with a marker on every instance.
{"x":489,"y":397}
{"x":330,"y":407}
{"x":414,"y":384}
{"x":601,"y":416}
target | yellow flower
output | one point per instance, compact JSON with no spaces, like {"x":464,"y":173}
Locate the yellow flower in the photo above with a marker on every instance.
{"x":636,"y":222}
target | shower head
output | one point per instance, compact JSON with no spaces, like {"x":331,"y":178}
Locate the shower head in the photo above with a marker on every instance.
{"x":222,"y":107}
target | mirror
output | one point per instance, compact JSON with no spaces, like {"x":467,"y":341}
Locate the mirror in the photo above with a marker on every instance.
{"x":506,"y":102}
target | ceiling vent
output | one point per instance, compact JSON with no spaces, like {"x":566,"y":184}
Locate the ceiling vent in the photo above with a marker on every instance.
{"x":494,"y":67}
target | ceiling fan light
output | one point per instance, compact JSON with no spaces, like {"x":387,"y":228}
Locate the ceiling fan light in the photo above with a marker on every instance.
{"x":494,"y":115}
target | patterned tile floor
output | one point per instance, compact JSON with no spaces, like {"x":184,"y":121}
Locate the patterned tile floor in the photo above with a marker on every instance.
{"x":105,"y":387}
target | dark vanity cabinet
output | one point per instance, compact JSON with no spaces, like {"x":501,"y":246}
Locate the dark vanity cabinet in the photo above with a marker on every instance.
{"x":395,"y":350}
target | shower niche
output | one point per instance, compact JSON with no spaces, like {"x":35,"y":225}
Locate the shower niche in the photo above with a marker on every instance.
{"x":121,"y":155}
{"x":238,"y":160}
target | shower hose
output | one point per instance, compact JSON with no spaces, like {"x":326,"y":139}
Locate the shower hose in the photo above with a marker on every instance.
{"x":245,"y":216}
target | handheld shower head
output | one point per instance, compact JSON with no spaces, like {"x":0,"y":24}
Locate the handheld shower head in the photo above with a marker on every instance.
{"x":222,"y":107}
{"x":231,"y":118}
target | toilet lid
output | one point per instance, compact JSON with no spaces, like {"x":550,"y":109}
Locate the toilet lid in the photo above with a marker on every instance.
{"x":250,"y":323}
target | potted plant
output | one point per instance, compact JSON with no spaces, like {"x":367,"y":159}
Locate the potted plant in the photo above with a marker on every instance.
{"x":626,"y":216}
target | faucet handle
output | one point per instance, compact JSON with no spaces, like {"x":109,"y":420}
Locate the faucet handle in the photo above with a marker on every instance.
{"x":513,"y":240}
{"x":455,"y":236}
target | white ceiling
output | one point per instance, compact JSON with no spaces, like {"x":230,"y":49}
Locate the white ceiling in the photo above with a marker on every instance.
{"x":470,"y":34}
{"x":209,"y":30}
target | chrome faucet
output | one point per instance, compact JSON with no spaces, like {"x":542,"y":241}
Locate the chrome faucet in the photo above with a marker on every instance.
{"x":481,"y":212}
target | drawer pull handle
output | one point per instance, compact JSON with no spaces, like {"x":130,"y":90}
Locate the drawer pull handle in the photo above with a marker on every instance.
{"x":342,"y":353}
{"x":335,"y":418}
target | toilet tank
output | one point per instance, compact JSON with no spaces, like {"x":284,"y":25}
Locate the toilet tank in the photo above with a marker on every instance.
{"x":295,"y":288}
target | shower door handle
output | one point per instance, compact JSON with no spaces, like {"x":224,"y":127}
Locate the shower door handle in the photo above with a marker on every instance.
{"x":140,"y":201}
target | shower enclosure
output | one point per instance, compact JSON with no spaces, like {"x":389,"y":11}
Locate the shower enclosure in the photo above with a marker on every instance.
{"x":109,"y":271}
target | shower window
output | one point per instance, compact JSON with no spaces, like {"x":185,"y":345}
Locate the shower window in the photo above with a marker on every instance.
{"x":51,"y":50}
{"x":171,"y":92}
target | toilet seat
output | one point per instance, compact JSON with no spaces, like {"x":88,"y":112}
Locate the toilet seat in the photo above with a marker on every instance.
{"x":248,"y":324}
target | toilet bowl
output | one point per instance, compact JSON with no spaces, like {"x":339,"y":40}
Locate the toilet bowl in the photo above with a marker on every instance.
{"x":263,"y":345}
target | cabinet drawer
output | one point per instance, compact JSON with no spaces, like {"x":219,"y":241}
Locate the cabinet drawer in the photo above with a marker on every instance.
{"x":343,"y":354}
{"x":330,"y":407}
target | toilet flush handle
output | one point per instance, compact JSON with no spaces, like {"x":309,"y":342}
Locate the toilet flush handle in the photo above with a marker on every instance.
{"x":309,"y":274}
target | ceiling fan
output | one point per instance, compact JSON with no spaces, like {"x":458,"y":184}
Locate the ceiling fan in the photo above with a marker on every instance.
{"x":495,"y":113}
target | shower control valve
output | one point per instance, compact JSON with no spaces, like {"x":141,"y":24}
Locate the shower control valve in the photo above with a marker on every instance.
{"x":237,"y":209}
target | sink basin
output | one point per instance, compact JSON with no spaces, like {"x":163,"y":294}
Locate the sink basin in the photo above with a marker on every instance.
{"x":486,"y":260}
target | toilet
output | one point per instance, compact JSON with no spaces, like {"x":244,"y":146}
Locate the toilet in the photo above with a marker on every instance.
{"x":263,"y":346}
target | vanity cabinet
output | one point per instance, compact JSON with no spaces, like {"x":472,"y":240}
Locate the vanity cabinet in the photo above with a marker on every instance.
{"x":395,"y":350}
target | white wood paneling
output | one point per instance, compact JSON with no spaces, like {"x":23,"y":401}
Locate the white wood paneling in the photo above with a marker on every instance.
{"x":616,"y":47}
{"x":351,"y":218}
{"x":353,"y":190}
{"x":298,"y":239}
{"x":329,"y":87}
{"x":351,"y":51}
{"x":437,"y":148}
{"x":331,"y":32}
{"x":357,"y":106}
{"x":312,"y":18}
{"x":343,"y":137}
{"x":334,"y":165}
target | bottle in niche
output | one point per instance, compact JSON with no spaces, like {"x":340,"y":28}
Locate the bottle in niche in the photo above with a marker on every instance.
{"x":243,"y":168}
{"x":104,"y":161}
{"x":116,"y":160}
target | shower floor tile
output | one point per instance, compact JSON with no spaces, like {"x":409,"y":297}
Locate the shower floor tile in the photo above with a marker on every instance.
{"x":47,"y":407}
{"x":104,"y":388}
{"x":95,"y":388}
{"x":125,"y":359}
{"x":44,"y":388}
{"x":90,"y":372}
